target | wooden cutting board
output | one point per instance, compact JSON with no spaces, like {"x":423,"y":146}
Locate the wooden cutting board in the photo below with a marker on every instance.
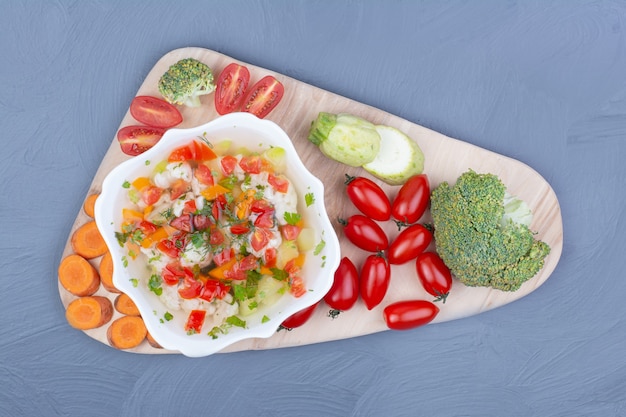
{"x":445,"y":160}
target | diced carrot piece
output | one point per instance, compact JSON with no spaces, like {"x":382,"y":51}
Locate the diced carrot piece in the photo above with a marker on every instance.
{"x":219,"y":272}
{"x":214,"y":191}
{"x":78,"y":276}
{"x":141,"y":182}
{"x":89,"y":312}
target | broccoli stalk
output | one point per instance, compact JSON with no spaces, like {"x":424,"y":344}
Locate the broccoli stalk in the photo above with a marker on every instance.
{"x":482,"y":233}
{"x":185,"y":81}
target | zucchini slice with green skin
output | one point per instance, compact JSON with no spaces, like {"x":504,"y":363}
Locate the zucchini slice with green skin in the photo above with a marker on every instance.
{"x":398,"y":159}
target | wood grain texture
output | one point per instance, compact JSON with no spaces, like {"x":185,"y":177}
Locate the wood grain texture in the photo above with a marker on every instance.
{"x":445,"y":159}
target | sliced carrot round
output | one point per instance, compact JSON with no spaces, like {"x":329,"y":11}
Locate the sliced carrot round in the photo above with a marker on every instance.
{"x":89,"y":204}
{"x":105,"y":268}
{"x":88,"y":242}
{"x":89,"y":312}
{"x":78,"y":276}
{"x":126,"y":332}
{"x":125,"y":305}
{"x":152,"y":341}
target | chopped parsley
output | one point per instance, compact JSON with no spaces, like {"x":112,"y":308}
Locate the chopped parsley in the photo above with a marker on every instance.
{"x":309,"y":199}
{"x":292,"y":218}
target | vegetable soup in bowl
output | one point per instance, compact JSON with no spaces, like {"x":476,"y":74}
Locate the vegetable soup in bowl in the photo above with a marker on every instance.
{"x":218,"y":233}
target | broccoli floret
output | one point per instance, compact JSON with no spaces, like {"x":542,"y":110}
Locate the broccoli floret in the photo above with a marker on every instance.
{"x":185,"y":81}
{"x":482,"y":233}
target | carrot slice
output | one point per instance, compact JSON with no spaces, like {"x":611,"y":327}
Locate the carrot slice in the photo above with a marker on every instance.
{"x":106,"y":273}
{"x":89,"y":204}
{"x":153,"y":342}
{"x":78,"y":276}
{"x":88,"y":242}
{"x":125,"y":305}
{"x":89,"y":312}
{"x":126,"y":332}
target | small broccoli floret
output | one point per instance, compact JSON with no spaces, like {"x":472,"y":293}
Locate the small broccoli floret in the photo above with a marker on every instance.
{"x":185,"y":81}
{"x":482,"y":234}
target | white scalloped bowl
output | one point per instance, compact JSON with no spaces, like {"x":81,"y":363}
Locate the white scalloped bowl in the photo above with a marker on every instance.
{"x":252,"y":133}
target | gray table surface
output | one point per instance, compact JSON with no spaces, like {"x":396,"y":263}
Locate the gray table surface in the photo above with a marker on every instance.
{"x":540,"y":81}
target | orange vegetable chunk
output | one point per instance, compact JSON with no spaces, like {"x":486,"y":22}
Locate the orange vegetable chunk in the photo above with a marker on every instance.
{"x":125,"y":305}
{"x":126,"y":332}
{"x":89,"y":312}
{"x":78,"y":276}
{"x":106,"y":273}
{"x":88,"y":242}
{"x":89,"y":204}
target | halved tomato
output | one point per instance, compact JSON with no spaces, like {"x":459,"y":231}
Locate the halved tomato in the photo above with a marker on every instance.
{"x":263,"y":96}
{"x":231,"y":88}
{"x":135,"y":140}
{"x":155,"y":112}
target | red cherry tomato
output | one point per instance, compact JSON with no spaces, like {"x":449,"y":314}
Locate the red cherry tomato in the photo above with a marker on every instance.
{"x":155,"y":112}
{"x":368,"y":198}
{"x":404,"y":315}
{"x":374,"y":280}
{"x":409,"y":243}
{"x":263,"y":97}
{"x":231,"y":88}
{"x":135,"y":140}
{"x":365,"y":233}
{"x":345,"y":289}
{"x":411,"y":201}
{"x":299,"y":318}
{"x":434,"y":275}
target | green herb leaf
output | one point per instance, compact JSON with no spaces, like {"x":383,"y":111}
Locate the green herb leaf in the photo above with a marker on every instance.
{"x":292,"y":218}
{"x":309,"y":199}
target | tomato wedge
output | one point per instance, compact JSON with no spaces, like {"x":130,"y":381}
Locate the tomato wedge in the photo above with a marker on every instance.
{"x":231,"y":88}
{"x":135,"y":140}
{"x":263,"y":97}
{"x":155,"y":112}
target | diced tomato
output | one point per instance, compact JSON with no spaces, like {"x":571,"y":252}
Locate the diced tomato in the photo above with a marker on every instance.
{"x":251,"y":164}
{"x":239,"y":229}
{"x":178,"y":188}
{"x":182,"y":154}
{"x":261,"y":206}
{"x":270,"y":256}
{"x":204,"y":175}
{"x":228,"y":163}
{"x":248,"y":263}
{"x":189,"y":207}
{"x":214,"y":289}
{"x":202,"y":151}
{"x":147,"y":227}
{"x":174,"y":272}
{"x":290,"y":231}
{"x":182,"y":223}
{"x":265,"y":220}
{"x":151,"y":194}
{"x":260,"y":238}
{"x":223,"y":257}
{"x":195,"y":321}
{"x":191,"y":288}
{"x":297,"y":288}
{"x":169,"y":248}
{"x":216,"y":237}
{"x":278,"y":182}
{"x":201,"y":222}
